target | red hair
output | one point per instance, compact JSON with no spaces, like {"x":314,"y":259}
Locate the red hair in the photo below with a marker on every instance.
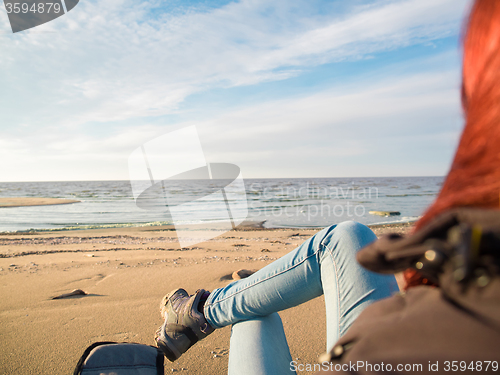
{"x":474,"y":177}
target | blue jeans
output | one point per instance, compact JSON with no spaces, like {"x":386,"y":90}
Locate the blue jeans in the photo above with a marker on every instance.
{"x":324,"y":264}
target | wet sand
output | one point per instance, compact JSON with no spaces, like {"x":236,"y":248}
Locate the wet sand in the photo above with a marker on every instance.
{"x":28,"y":201}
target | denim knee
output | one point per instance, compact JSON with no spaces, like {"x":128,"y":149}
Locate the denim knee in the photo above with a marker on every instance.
{"x":352,"y":228}
{"x":351,"y":232}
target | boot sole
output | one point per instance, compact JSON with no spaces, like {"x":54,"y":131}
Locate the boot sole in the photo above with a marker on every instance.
{"x":162,"y":341}
{"x":164,"y":347}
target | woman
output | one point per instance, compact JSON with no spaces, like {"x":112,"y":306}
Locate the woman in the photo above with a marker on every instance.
{"x":474,"y":177}
{"x":326,"y":263}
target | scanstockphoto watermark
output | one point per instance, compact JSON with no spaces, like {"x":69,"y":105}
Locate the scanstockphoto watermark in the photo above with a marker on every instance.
{"x":171,"y":174}
{"x":26,"y":14}
{"x":366,"y":366}
{"x":357,"y":366}
{"x":312,"y":190}
{"x":310,"y":201}
{"x":311,"y":211}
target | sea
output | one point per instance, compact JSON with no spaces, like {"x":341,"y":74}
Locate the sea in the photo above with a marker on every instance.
{"x":276,"y":203}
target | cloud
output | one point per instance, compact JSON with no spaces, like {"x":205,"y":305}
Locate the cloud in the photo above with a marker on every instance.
{"x":69,"y":86}
{"x":367,"y":30}
{"x":394,"y":115}
{"x":110,"y":61}
{"x":392,"y":124}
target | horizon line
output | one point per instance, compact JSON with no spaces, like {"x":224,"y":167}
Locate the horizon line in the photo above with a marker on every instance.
{"x":244,"y":178}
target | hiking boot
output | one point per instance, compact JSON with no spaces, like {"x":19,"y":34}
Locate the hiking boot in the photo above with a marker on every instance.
{"x":184,"y":325}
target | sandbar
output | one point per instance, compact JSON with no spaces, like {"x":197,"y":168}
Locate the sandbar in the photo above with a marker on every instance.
{"x":33,"y":201}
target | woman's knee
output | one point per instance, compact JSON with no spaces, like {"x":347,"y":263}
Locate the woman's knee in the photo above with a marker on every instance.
{"x":352,"y":228}
{"x":350,"y":233}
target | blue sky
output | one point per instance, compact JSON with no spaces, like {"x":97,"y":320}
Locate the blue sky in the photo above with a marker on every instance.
{"x":282,"y":88}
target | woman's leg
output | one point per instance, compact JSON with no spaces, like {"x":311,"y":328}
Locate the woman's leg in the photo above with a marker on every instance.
{"x":258,"y":346}
{"x":324,"y":264}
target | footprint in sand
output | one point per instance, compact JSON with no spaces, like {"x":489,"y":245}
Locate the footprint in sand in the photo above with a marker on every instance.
{"x":219,"y":352}
{"x":76,"y":292}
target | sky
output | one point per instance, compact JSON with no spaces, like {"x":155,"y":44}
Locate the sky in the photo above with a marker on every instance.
{"x":281,"y":88}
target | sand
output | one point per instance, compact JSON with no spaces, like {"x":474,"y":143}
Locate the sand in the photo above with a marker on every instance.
{"x":27,"y":201}
{"x":125,"y":273}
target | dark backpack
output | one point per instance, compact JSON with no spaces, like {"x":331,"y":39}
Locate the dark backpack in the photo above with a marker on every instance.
{"x":103,"y":358}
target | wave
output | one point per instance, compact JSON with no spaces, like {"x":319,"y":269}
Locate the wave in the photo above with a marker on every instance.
{"x":409,"y":195}
{"x":401,"y":220}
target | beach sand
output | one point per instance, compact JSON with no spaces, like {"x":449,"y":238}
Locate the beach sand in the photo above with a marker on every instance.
{"x":125,"y":273}
{"x":33,"y":201}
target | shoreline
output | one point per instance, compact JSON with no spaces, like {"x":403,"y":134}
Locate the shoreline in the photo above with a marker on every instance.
{"x":246,"y":225}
